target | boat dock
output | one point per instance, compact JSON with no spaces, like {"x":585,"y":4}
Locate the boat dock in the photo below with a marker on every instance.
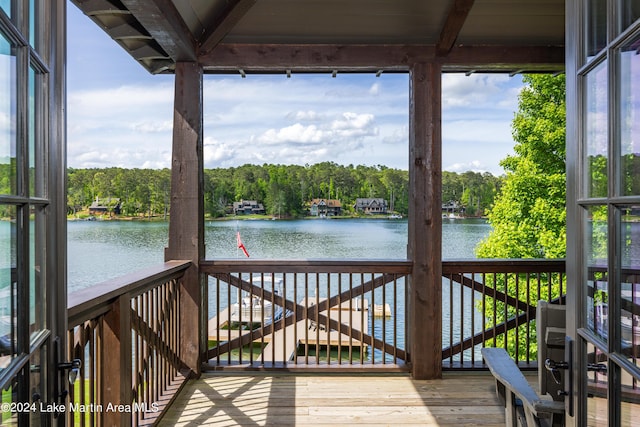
{"x":283,"y":345}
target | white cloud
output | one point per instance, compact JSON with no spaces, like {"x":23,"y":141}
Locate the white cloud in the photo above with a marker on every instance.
{"x":305,"y":116}
{"x":478,"y":90}
{"x":305,"y":119}
{"x":216,"y":152}
{"x":473,"y":165}
{"x":294,"y":134}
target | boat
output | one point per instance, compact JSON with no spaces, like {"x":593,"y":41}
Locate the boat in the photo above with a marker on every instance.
{"x":395,"y":216}
{"x":251,"y":308}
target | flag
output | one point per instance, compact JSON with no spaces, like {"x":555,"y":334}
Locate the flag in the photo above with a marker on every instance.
{"x":241,"y":245}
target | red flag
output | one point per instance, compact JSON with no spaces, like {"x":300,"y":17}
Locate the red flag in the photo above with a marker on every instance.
{"x":241,"y":245}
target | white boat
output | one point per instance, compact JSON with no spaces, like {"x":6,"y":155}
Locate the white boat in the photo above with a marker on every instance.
{"x":251,"y":308}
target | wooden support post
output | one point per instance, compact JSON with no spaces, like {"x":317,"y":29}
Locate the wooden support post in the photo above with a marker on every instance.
{"x":425,"y":221}
{"x":186,"y":222}
{"x":116,"y":381}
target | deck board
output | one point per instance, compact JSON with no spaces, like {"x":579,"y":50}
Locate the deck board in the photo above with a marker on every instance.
{"x":283,"y":399}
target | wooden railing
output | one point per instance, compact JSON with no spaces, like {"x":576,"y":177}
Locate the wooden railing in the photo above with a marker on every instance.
{"x":344,"y":314}
{"x":492,"y":303}
{"x":294,"y":314}
{"x":265,"y":313}
{"x":126,"y":333}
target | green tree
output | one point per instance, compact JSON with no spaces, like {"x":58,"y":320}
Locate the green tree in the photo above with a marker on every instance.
{"x":529,"y":216}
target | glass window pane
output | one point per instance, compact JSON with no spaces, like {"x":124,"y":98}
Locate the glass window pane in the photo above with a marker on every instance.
{"x":630,"y":283}
{"x":596,"y":27}
{"x":629,"y":78}
{"x":596,"y":255}
{"x":32,"y":23}
{"x":596,"y":131}
{"x":37,"y":235}
{"x":8,"y":284}
{"x":597,"y":386}
{"x":6,"y":6}
{"x":630,"y":11}
{"x":7,"y":117}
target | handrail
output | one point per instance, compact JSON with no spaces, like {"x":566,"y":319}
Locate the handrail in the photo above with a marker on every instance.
{"x":329,"y":313}
{"x":86,"y":303}
{"x":509,"y":289}
{"x":469,"y":284}
{"x":126,"y":333}
{"x":400,"y":266}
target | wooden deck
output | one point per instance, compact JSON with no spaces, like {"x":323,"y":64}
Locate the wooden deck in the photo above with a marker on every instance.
{"x":266,"y":399}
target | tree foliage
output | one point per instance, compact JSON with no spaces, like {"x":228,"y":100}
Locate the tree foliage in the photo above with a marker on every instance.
{"x":283,"y":190}
{"x":528,"y":217}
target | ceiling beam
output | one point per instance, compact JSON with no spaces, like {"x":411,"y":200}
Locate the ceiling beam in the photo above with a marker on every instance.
{"x":216,"y":32}
{"x":163,"y":22}
{"x":226,"y":58}
{"x":452,"y":26}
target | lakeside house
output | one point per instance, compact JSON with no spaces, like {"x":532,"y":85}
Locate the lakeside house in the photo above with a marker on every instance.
{"x":248,"y":207}
{"x":371,"y":206}
{"x":452,"y":209}
{"x":110,"y":205}
{"x":325,"y":207}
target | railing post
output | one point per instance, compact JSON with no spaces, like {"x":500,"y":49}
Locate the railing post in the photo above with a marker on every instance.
{"x":425,"y":221}
{"x":116,"y":363}
{"x":186,"y":221}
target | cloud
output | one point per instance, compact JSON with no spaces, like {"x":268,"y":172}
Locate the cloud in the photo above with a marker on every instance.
{"x":479,"y":90}
{"x":216,"y":152}
{"x":152,"y":126}
{"x":352,"y":119}
{"x":305,"y":116}
{"x":347,"y":129}
{"x":397,"y":135}
{"x":473,"y":165}
{"x":294,"y":134}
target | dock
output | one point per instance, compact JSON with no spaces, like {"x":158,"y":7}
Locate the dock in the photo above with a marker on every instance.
{"x":284,"y":343}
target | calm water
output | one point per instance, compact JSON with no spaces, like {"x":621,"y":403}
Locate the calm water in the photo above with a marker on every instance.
{"x":100,"y":250}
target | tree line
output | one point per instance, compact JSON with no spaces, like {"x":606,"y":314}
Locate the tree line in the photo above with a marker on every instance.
{"x":283,"y":189}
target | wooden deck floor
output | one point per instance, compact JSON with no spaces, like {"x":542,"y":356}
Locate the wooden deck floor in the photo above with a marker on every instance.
{"x":266,"y":399}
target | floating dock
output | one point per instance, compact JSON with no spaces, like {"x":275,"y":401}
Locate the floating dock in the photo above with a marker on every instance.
{"x":283,"y":345}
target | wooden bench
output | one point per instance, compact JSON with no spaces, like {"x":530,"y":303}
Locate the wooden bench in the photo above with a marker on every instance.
{"x":523,"y":406}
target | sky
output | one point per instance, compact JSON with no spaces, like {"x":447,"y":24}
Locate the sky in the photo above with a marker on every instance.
{"x":120,"y":115}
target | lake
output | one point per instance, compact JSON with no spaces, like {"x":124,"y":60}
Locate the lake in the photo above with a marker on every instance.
{"x":100,"y":250}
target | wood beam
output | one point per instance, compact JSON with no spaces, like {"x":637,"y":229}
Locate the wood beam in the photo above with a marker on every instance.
{"x":164,"y":23}
{"x":452,"y":26}
{"x":425,"y":220}
{"x":186,"y":222}
{"x":215,"y":33}
{"x":228,"y":58}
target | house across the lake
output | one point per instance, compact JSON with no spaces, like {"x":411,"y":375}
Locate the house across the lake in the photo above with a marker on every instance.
{"x":110,"y":205}
{"x":248,"y":207}
{"x":371,"y":206}
{"x":325,"y":207}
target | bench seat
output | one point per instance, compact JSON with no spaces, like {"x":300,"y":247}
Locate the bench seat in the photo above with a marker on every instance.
{"x":523,"y":406}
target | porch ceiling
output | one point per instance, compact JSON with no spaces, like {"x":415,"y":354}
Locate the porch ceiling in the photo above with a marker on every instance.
{"x":345,"y":35}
